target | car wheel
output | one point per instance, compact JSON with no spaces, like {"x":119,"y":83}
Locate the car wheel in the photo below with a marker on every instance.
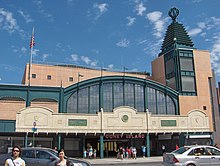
{"x":191,"y":165}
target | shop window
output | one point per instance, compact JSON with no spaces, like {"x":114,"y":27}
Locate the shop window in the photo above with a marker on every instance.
{"x":34,"y":75}
{"x":49,"y":77}
{"x":70,"y":79}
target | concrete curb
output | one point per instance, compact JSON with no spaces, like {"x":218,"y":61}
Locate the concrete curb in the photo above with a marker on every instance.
{"x":114,"y":161}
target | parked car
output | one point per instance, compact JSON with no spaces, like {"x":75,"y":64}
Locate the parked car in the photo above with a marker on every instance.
{"x":42,"y":157}
{"x":198,"y":155}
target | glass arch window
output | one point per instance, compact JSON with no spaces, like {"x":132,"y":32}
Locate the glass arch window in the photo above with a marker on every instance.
{"x":110,"y":95}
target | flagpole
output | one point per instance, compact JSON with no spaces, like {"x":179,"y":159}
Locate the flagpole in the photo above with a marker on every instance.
{"x":31,"y":52}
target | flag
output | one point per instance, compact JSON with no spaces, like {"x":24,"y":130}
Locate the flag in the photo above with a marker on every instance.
{"x":32,"y":43}
{"x":80,"y":75}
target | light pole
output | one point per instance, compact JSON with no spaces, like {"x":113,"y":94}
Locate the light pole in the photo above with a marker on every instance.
{"x":34,"y":129}
{"x":148,"y":136}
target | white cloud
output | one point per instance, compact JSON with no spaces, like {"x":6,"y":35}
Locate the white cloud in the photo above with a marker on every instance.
{"x":195,"y":31}
{"x":94,"y":63}
{"x":152,"y":47}
{"x":74,"y":57}
{"x":215,"y":55}
{"x":197,"y":1}
{"x":156,"y":19}
{"x":110,"y":66}
{"x":123,"y":43}
{"x":140,"y":8}
{"x":131,"y":20}
{"x":42,"y":11}
{"x":26,"y":16}
{"x":24,"y":50}
{"x":7,"y":22}
{"x":10,"y":68}
{"x":154,"y":16}
{"x":86,"y":59}
{"x":45,"y":56}
{"x":102,"y":8}
{"x":79,"y":59}
{"x":201,"y":25}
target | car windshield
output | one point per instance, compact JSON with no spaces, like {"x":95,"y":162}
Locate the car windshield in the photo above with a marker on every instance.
{"x":181,"y":150}
{"x":53,"y":152}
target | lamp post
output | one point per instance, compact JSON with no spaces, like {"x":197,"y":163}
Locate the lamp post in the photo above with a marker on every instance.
{"x":148,"y":136}
{"x":34,"y":129}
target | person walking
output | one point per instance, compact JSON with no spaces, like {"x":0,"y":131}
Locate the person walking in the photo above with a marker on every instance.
{"x":15,"y":160}
{"x":62,"y":161}
{"x":90,"y":152}
{"x":143,"y":148}
{"x":121,"y":153}
{"x":94,"y":153}
{"x":163,"y":148}
{"x":84,"y":153}
{"x":134,"y":152}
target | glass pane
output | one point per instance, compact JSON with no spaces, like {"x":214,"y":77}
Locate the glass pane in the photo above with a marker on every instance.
{"x":170,"y":106}
{"x":129,"y":94}
{"x":118,"y":94}
{"x":94,"y":99}
{"x":169,"y":66}
{"x":172,"y":83}
{"x":186,"y":64}
{"x":107,"y":97}
{"x":151,"y":100}
{"x":139,"y":98}
{"x":188,"y":83}
{"x":83,"y":101}
{"x":161,"y":105}
{"x":72,"y":103}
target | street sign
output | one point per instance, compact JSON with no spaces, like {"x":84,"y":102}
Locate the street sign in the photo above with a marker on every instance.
{"x":34,"y":129}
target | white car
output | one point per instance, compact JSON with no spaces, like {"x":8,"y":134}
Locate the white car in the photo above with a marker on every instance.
{"x":198,"y":155}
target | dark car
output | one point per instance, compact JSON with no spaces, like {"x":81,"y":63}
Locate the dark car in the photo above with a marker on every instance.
{"x":42,"y":157}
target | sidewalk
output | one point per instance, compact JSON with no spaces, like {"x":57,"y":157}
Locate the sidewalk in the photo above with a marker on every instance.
{"x":114,"y":161}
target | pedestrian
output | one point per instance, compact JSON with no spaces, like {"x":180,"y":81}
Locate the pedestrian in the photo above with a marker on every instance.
{"x":126,"y":152}
{"x":134,"y":152}
{"x":84,"y":153}
{"x":62,"y":161}
{"x":90,"y":152}
{"x":177,"y":147}
{"x":143,"y":148}
{"x":163,"y":148}
{"x":121,"y":153}
{"x":129,"y":153}
{"x":94,"y":153}
{"x":15,"y":160}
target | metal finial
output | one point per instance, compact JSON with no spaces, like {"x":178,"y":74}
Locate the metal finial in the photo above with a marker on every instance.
{"x":173,"y":13}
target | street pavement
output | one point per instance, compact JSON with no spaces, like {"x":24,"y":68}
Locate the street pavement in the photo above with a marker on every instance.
{"x":114,"y":161}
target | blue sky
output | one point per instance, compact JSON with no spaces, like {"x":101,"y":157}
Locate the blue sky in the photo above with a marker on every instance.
{"x":107,"y":33}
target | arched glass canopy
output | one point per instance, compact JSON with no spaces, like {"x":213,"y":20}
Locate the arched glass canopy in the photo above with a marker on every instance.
{"x":110,"y":92}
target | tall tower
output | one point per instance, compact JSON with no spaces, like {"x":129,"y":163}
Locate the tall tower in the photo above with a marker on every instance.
{"x":177,"y":49}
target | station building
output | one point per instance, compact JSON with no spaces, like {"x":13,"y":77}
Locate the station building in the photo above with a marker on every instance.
{"x":74,"y":107}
